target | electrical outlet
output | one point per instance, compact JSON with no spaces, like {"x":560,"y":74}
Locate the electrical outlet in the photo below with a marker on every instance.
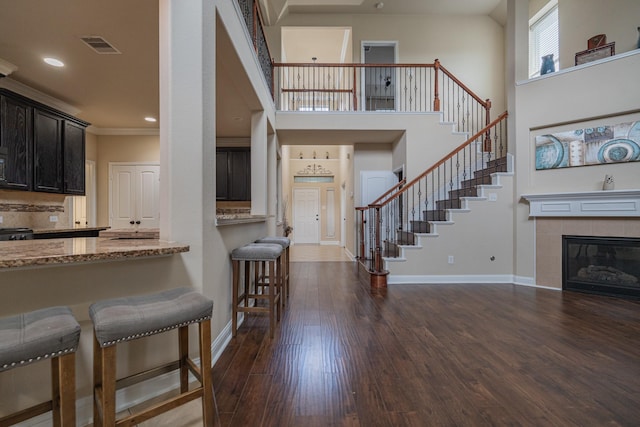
{"x":450,"y":259}
{"x":493,"y":197}
{"x":53,"y":218}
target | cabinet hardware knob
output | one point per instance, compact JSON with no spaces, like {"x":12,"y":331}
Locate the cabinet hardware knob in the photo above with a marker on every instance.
{"x":131,"y":222}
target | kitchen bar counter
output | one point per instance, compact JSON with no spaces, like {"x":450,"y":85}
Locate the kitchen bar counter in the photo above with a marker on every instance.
{"x":27,"y":253}
{"x":53,"y":233}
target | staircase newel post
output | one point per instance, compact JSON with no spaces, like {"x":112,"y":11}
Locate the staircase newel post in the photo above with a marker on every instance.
{"x":378,"y":261}
{"x":487,"y":119}
{"x":436,"y":96}
{"x":361,"y":235}
{"x":378,"y":276}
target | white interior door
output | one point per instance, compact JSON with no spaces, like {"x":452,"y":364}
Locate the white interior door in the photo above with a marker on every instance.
{"x":134,"y":196}
{"x":148,"y":196}
{"x":306,"y":215}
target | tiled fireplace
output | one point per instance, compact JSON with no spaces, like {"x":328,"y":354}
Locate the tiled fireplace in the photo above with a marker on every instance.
{"x":588,"y":214}
{"x":601,"y":265}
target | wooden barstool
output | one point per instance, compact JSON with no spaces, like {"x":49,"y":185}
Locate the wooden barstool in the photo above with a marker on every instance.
{"x":254,"y":254}
{"x":50,"y":333}
{"x":285,"y":243}
{"x":123,"y":319}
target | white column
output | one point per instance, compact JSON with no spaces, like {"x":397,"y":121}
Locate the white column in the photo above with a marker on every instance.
{"x":187,"y":122}
{"x":272,"y":169}
{"x":259,"y":185}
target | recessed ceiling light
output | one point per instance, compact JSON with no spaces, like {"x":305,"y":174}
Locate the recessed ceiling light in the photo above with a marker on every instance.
{"x":54,"y":62}
{"x":151,"y":119}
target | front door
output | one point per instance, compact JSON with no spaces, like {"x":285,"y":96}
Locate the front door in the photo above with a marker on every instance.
{"x":306,"y":215}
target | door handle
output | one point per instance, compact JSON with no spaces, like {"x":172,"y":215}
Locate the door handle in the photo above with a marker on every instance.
{"x":138,"y":222}
{"x":131,"y":222}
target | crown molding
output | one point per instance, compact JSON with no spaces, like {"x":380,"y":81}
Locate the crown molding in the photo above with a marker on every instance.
{"x":6,"y":68}
{"x":36,"y":95}
{"x":124,"y":131}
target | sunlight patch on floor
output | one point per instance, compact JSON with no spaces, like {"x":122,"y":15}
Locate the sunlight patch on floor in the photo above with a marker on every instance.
{"x":318,"y":253}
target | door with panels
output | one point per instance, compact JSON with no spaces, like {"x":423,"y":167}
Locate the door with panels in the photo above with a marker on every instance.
{"x":134,"y":196}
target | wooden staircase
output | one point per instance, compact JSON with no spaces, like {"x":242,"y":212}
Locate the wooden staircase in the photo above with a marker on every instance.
{"x":469,"y":188}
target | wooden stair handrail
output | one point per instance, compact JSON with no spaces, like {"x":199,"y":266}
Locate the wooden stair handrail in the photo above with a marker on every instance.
{"x":444,"y":159}
{"x":485,"y":103}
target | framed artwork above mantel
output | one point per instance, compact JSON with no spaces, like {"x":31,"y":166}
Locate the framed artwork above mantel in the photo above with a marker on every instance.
{"x":596,"y":53}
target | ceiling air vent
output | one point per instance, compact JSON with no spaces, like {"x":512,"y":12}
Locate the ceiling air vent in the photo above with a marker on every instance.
{"x":99,"y":45}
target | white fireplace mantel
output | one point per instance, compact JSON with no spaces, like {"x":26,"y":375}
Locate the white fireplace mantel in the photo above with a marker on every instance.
{"x":609,"y":203}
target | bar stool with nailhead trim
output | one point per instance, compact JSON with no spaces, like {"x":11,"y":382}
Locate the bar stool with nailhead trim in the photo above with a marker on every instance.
{"x":285,"y":243}
{"x":123,"y":319}
{"x":252,"y":255}
{"x":50,"y":333}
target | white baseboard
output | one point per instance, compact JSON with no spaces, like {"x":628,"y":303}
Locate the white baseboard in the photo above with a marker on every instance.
{"x":329,"y":243}
{"x":464,"y":279}
{"x":448,"y":279}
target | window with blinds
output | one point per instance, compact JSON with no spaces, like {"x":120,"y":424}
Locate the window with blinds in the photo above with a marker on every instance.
{"x":543,"y":38}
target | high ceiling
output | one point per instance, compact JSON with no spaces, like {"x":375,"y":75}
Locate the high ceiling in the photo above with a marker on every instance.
{"x":116,"y":91}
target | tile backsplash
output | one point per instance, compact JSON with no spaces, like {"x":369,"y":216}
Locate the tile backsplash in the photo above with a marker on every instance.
{"x":33,"y":210}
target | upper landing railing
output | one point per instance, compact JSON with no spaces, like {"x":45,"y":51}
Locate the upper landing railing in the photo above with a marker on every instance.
{"x":366,"y":87}
{"x":380,"y":87}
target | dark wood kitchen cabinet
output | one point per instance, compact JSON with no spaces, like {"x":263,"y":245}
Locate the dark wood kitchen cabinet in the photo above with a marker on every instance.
{"x":46,"y":147}
{"x":15,"y":137}
{"x":73,"y":153}
{"x":47,"y":152}
{"x":233,"y":174}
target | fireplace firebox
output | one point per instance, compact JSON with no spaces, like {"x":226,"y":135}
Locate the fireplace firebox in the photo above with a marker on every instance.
{"x":601,"y":265}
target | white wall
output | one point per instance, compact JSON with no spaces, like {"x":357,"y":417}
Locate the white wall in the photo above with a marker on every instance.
{"x":592,"y":94}
{"x":579,"y":20}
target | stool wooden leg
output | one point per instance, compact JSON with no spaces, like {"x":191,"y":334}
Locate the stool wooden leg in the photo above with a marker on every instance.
{"x":272,"y":295}
{"x":104,"y":374}
{"x":234,"y":303}
{"x":247,"y":283}
{"x":286,"y":266}
{"x":63,"y":382}
{"x":183,"y":350}
{"x":208,"y":410}
{"x":97,"y":383}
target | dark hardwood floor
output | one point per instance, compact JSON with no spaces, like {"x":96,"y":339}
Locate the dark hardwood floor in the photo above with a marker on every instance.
{"x":432,"y":355}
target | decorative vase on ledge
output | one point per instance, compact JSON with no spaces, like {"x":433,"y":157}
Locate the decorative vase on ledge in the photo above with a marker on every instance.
{"x":547,"y":66}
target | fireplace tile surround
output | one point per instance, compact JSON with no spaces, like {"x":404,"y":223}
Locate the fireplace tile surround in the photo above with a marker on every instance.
{"x":550,"y":229}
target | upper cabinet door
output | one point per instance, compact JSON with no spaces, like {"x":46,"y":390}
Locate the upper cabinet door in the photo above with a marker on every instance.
{"x":15,"y":136}
{"x":47,"y":151}
{"x":73,"y":154}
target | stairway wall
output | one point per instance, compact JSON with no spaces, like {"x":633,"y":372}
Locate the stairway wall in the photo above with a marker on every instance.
{"x":472,"y":237}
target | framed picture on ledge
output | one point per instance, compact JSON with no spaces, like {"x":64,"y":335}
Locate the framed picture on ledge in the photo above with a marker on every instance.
{"x":596,"y":53}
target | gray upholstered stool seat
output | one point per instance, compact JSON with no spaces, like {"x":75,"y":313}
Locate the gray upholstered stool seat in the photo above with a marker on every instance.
{"x":122,"y":319}
{"x":50,"y":333}
{"x":257,"y":252}
{"x":253,"y":254}
{"x":29,"y":337}
{"x":285,"y":243}
{"x":282,"y":241}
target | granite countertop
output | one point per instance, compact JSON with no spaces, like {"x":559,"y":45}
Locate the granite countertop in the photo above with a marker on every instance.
{"x":229,"y":219}
{"x":60,"y":230}
{"x":25,"y":253}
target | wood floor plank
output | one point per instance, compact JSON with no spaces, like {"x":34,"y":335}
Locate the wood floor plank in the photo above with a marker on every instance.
{"x":422,"y":355}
